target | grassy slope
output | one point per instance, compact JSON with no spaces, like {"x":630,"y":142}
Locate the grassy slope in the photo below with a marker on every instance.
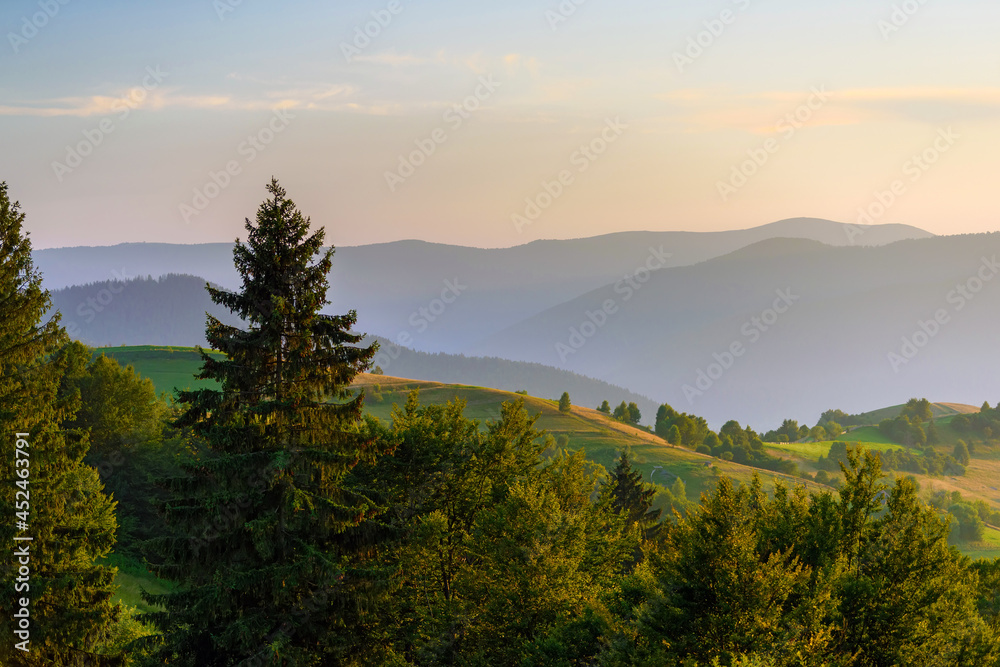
{"x":811,"y":451}
{"x":867,"y":434}
{"x":601,"y":437}
{"x":937,"y":410}
{"x":167,"y":367}
{"x":132,"y":578}
{"x":588,"y":429}
{"x":598,"y":435}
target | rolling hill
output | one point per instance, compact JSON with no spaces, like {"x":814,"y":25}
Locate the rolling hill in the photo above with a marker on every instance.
{"x":786,"y":328}
{"x":169,"y":310}
{"x":174,"y":366}
{"x":483,"y":290}
{"x":602,"y":438}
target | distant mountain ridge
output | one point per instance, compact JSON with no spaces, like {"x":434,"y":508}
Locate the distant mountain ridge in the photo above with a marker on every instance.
{"x":787,"y":328}
{"x":390,"y":283}
{"x":814,"y":326}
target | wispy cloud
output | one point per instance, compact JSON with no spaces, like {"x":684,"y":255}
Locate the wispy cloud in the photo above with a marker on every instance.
{"x":330,"y":97}
{"x":706,"y":110}
{"x":103,"y":105}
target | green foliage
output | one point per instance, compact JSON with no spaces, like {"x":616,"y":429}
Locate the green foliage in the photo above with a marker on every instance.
{"x":564,"y":402}
{"x":933,"y":436}
{"x":833,"y":429}
{"x":604,"y":407}
{"x":929,"y":462}
{"x":984,"y":424}
{"x":631,"y":497}
{"x":69,"y":517}
{"x":968,"y":526}
{"x":962,"y":453}
{"x":903,"y":431}
{"x":690,"y":432}
{"x":864,"y":577}
{"x":634,"y":416}
{"x":917,"y":410}
{"x":789,"y":431}
{"x":126,"y":425}
{"x":841,"y":418}
{"x":266,"y":538}
{"x":503,"y":557}
{"x":678,"y":489}
{"x":629,"y":413}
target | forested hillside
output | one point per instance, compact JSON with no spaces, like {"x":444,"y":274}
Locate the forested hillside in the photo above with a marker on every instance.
{"x":168,"y":310}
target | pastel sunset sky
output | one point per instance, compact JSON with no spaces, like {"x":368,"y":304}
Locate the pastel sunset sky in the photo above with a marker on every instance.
{"x":453,"y":120}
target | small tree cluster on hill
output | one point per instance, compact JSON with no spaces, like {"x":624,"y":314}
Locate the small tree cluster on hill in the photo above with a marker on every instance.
{"x":627,"y":413}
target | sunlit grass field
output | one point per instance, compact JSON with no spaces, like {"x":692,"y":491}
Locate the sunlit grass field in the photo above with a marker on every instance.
{"x":600,"y":437}
{"x":812,"y":451}
{"x":167,"y":367}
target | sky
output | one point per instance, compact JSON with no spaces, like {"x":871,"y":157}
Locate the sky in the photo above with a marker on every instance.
{"x":494,"y":124}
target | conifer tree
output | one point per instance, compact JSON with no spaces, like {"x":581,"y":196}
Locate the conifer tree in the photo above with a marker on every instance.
{"x":564,"y":402}
{"x":271,"y":540}
{"x":630,"y":495}
{"x":63,"y":507}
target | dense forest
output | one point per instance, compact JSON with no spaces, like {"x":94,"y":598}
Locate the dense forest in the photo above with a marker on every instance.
{"x":169,"y":310}
{"x":294,"y":530}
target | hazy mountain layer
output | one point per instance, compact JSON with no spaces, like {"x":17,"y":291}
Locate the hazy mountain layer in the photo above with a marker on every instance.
{"x":447,"y":298}
{"x":787,"y":328}
{"x":171,"y":311}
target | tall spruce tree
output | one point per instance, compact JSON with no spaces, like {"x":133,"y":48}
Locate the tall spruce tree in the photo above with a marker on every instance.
{"x":270,"y":537}
{"x":63,"y":507}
